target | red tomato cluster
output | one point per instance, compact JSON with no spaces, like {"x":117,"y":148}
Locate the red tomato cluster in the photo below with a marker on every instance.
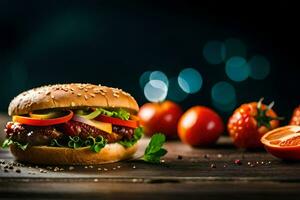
{"x":250,"y":126}
{"x":199,"y":126}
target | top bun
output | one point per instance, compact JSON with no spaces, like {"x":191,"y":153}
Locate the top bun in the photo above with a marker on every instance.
{"x":74,"y":95}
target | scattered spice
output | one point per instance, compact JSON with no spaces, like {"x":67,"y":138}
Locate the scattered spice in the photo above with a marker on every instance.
{"x":133,"y":166}
{"x":5,"y":170}
{"x":206,"y":156}
{"x":18,"y":170}
{"x":71,"y":168}
{"x":219,"y":155}
{"x":95,"y":180}
{"x":213,"y":165}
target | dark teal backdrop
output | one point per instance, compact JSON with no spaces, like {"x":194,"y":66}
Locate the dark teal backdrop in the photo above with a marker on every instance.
{"x":113,"y":43}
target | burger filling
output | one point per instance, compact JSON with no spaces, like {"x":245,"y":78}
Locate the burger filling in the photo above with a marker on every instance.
{"x":74,"y":128}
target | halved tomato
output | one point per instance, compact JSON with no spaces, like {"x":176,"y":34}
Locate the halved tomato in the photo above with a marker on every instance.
{"x":116,"y":121}
{"x":42,"y":122}
{"x":283,"y":142}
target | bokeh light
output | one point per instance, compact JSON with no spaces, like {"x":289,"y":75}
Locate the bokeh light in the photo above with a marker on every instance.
{"x":175,"y":92}
{"x":214,"y":52}
{"x":223,"y":96}
{"x":155,"y":91}
{"x":259,"y":67}
{"x":144,"y":78}
{"x":234,"y":47}
{"x":190,"y":80}
{"x":237,"y":69}
{"x":159,"y":75}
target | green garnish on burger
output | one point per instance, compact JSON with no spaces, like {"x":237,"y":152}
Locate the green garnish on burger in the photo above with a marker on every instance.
{"x":73,"y":124}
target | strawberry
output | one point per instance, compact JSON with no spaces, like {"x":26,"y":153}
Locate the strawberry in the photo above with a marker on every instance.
{"x":250,"y":122}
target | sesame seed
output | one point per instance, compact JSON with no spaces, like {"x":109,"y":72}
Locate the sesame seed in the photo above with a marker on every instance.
{"x":95,"y":180}
{"x":86,"y":97}
{"x":92,"y":95}
{"x":79,"y":95}
{"x":71,"y":168}
{"x":133,"y":166}
{"x":105,"y":169}
{"x":86,"y":90}
{"x":73,"y":104}
{"x":52,"y":97}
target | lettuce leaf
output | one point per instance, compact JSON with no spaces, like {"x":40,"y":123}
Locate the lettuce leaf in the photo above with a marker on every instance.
{"x":138,"y":134}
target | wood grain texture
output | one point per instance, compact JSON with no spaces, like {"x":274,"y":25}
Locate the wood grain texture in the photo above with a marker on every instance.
{"x":186,"y":172}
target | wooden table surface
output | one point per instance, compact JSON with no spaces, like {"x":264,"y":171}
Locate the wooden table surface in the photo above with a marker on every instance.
{"x":186,"y":172}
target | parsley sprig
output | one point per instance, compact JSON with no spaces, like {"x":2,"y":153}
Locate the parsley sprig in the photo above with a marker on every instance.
{"x":154,"y":150}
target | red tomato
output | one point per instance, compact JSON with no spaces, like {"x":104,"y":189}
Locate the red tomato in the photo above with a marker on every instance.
{"x":42,"y":122}
{"x":160,"y":117}
{"x":200,"y":126}
{"x":283,"y":142}
{"x":116,"y":121}
{"x":295,"y":120}
{"x":250,"y":122}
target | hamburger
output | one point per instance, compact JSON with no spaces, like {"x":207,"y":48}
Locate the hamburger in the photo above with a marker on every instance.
{"x":74,"y":124}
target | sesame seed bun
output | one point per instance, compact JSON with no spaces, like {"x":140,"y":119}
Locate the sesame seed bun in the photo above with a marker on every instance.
{"x":66,"y":156}
{"x":74,"y":95}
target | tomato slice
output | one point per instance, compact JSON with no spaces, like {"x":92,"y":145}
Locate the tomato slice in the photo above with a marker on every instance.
{"x":283,"y":142}
{"x":116,"y":121}
{"x":42,"y":122}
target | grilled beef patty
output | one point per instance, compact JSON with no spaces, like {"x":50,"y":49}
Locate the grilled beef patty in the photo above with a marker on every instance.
{"x":43,"y":135}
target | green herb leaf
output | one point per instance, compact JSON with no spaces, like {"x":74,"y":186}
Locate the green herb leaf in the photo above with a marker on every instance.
{"x":21,"y":146}
{"x":100,"y":142}
{"x":154,"y":150}
{"x":7,"y":142}
{"x":75,"y":142}
{"x":55,"y":143}
{"x":138,"y":133}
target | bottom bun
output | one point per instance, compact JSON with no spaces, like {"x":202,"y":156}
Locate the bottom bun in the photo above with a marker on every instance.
{"x":66,"y":156}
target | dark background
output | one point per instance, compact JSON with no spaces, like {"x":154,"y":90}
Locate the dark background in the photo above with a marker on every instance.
{"x":113,"y":43}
